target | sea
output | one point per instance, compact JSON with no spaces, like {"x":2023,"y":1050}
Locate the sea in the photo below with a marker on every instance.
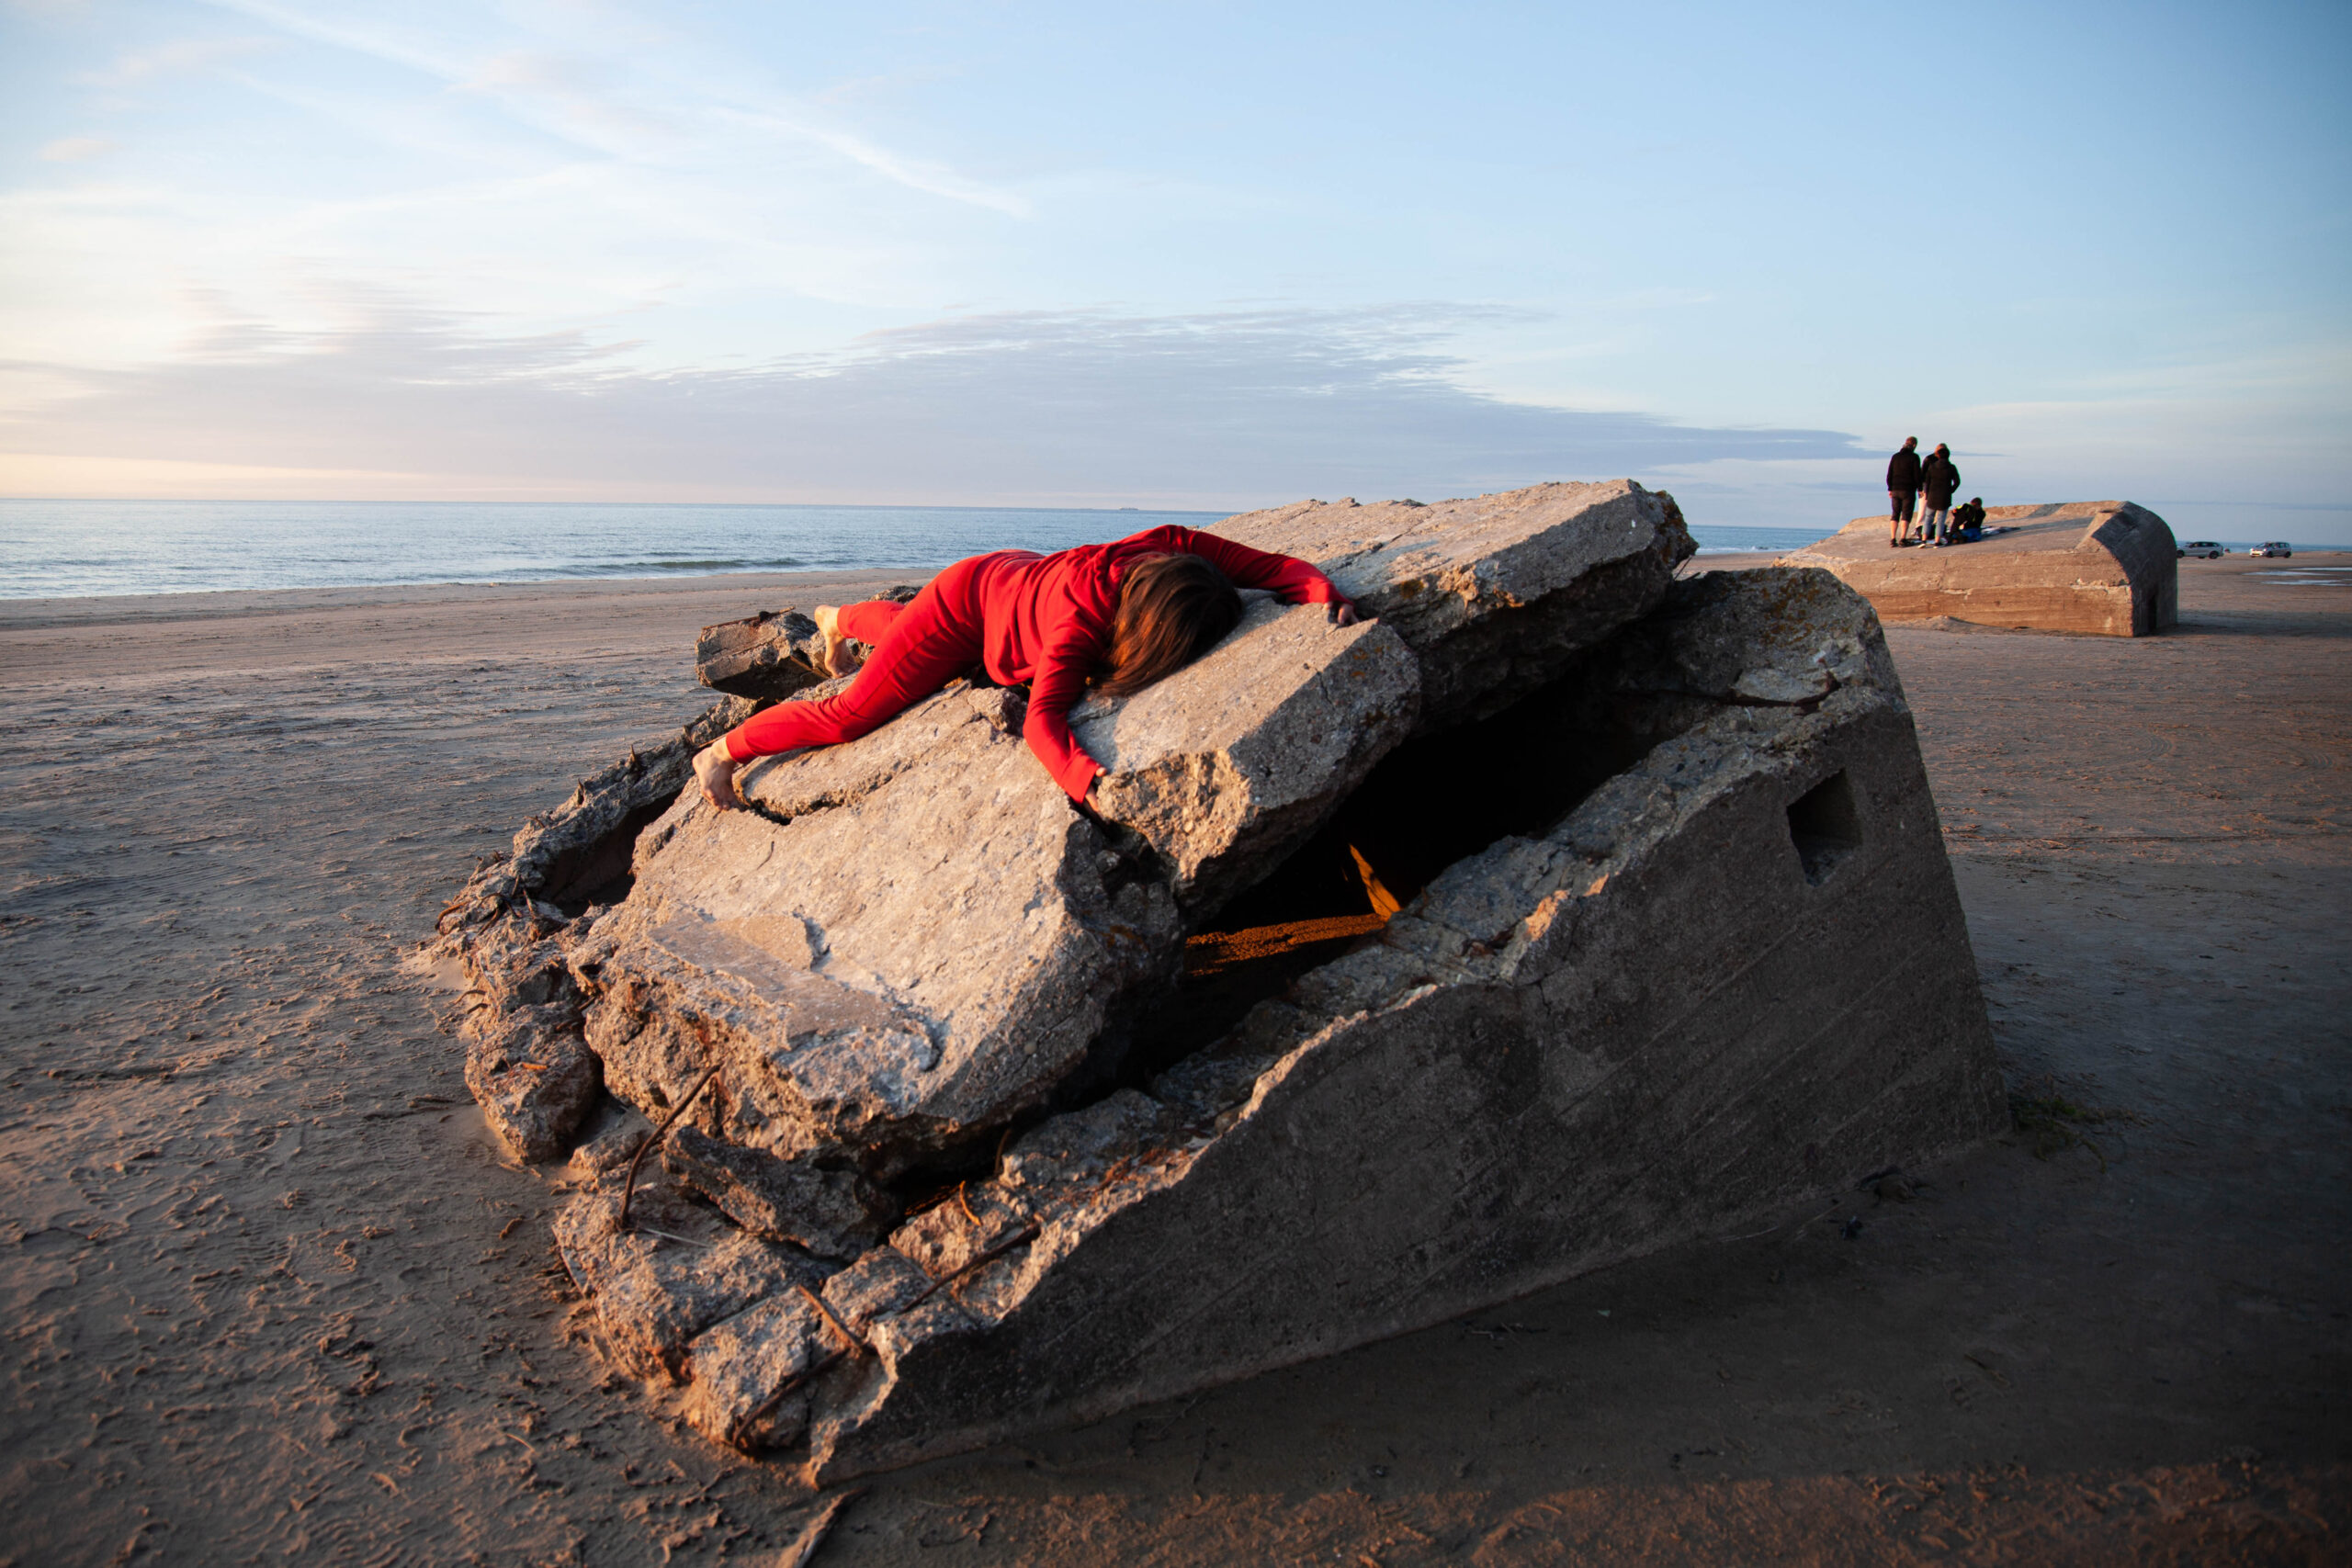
{"x":61,"y":549}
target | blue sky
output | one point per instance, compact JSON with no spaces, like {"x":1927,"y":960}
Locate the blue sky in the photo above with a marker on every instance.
{"x":1189,"y":256}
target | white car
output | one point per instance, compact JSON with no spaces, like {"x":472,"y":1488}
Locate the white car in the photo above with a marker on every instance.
{"x":2205,"y":548}
{"x":2274,"y":547}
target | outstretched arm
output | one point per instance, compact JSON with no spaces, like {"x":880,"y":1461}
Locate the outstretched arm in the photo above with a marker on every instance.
{"x":1294,"y":581}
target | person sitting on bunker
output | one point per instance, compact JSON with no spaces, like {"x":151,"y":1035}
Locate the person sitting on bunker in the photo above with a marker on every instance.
{"x":1120,"y":616}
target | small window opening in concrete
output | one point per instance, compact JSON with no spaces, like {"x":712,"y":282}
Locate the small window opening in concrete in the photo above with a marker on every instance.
{"x":1824,"y":826}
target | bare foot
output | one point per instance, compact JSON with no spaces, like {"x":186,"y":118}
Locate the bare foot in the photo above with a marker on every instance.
{"x":715,"y":770}
{"x":837,"y":660}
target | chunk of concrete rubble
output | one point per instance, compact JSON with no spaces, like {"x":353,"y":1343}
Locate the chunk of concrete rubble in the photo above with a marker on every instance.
{"x":743,"y":1370}
{"x":520,"y":964}
{"x":884,"y":1280}
{"x":1733,"y":974}
{"x":608,"y":1142}
{"x":772,"y":655}
{"x":2106,"y":568}
{"x":674,"y":1273}
{"x":526,"y":1063}
{"x":535,"y":1078}
{"x":1494,"y":593}
{"x":835,"y":1213}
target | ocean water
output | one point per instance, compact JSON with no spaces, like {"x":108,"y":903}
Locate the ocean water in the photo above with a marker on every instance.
{"x":76,"y":547}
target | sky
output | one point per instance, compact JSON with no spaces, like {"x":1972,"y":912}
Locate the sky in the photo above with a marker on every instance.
{"x":1201,"y":256}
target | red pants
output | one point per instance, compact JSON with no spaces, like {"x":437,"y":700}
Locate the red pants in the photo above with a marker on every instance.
{"x":918,"y":649}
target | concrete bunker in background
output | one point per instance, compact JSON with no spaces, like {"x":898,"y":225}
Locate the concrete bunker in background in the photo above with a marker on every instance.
{"x":1354,"y":1012}
{"x":2108,"y":567}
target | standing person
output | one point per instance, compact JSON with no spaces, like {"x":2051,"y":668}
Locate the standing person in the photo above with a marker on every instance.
{"x":1938,"y":478}
{"x":1902,"y":488}
{"x":1122,"y":614}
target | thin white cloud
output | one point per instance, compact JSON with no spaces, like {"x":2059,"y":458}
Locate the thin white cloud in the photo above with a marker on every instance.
{"x":358,"y":41}
{"x":172,"y":60}
{"x":77,"y":149}
{"x":592,"y":107}
{"x":572,"y":98}
{"x":933,"y":179}
{"x":1664,"y":298}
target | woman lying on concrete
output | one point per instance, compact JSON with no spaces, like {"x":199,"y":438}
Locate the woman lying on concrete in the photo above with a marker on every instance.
{"x":1120,"y":615}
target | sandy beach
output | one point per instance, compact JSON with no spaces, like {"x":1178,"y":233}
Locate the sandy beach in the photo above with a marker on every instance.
{"x":274,"y":1295}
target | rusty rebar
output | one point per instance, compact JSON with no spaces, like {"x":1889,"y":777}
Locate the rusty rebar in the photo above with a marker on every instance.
{"x":629,"y":1188}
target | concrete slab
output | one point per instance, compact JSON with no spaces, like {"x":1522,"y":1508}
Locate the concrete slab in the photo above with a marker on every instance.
{"x":1494,"y":593}
{"x":2106,"y":568}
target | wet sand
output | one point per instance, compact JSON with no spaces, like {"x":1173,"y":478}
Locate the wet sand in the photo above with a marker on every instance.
{"x":272,"y":1294}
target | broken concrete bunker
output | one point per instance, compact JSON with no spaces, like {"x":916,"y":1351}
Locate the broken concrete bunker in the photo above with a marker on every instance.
{"x":1560,"y":912}
{"x":2102,"y":568}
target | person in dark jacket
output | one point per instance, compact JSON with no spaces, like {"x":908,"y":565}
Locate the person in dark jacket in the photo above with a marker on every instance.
{"x":1902,"y":489}
{"x":1938,"y":478}
{"x":1968,"y":522}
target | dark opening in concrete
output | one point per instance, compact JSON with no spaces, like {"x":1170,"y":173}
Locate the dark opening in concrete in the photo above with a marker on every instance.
{"x":1433,"y":801}
{"x":598,"y":871}
{"x":1824,"y":826}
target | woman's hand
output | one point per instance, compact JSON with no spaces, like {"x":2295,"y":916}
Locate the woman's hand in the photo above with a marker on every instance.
{"x":1343,"y":613}
{"x":715,"y":770}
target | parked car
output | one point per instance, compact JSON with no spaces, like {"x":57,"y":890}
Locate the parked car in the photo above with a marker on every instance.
{"x":2205,"y":548}
{"x":2274,"y":547}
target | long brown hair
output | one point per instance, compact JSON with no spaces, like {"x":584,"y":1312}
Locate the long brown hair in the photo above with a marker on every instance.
{"x":1173,"y":609}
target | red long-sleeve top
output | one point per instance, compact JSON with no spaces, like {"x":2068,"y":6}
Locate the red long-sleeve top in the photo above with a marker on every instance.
{"x":1047,"y":619}
{"x":1042,"y":620}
